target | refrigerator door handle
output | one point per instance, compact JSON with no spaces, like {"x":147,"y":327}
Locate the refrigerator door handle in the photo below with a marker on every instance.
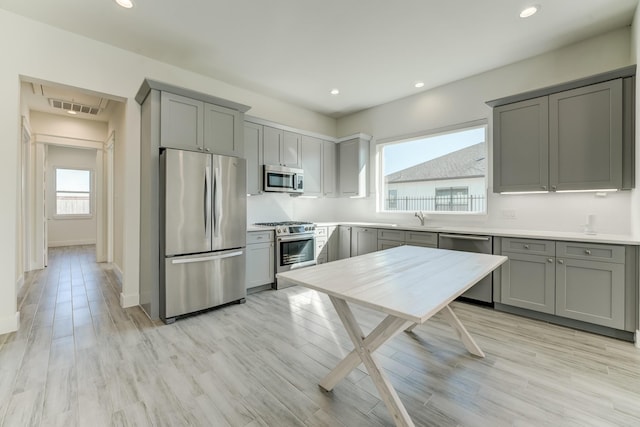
{"x":207,"y":258}
{"x":217,"y":203}
{"x":207,"y":202}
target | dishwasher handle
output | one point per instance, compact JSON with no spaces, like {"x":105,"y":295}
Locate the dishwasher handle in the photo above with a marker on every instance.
{"x":465,"y":237}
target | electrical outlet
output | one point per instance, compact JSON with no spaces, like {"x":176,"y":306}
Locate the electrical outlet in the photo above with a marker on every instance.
{"x":508,"y":214}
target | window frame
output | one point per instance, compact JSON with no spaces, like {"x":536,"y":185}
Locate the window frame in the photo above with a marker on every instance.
{"x":381,"y":189}
{"x":91,"y":213}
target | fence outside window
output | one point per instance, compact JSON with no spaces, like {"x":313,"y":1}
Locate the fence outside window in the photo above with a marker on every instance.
{"x":453,"y":203}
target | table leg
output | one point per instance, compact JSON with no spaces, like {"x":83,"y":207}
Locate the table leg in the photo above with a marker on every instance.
{"x":392,"y":326}
{"x":461,"y":331}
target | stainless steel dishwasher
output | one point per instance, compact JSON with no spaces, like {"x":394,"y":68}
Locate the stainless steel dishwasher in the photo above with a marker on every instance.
{"x":483,"y":290}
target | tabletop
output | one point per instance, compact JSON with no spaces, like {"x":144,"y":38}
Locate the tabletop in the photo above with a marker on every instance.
{"x":409,"y":282}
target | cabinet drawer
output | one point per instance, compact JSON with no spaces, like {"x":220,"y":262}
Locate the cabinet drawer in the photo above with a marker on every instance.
{"x":259,"y":237}
{"x":528,"y":246}
{"x":590,"y":251}
{"x":320,"y":231}
{"x":422,"y":238}
{"x":395,"y":235}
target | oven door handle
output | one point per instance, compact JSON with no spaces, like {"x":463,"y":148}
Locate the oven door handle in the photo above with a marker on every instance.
{"x":295,"y":237}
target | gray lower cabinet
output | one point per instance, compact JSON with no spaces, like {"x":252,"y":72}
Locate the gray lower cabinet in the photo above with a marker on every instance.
{"x":575,"y":280}
{"x":363,"y":240}
{"x":260,"y":259}
{"x":344,"y":241}
{"x":590,"y":283}
{"x":327,"y":244}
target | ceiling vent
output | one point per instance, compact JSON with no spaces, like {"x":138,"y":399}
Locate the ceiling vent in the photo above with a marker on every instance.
{"x":74,"y":106}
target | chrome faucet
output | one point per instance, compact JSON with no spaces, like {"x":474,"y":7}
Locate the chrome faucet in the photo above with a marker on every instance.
{"x":420,"y":216}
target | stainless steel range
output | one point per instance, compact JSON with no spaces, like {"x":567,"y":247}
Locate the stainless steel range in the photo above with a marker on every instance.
{"x":295,"y":245}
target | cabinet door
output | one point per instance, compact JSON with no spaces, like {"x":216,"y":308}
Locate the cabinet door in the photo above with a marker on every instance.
{"x":585,"y":137}
{"x":181,"y":122}
{"x":291,"y":149}
{"x":348,"y":168}
{"x":363,"y":240}
{"x":521,"y":146}
{"x":272,"y":143}
{"x":311,"y":164}
{"x":528,"y":281}
{"x":253,"y":152}
{"x":322,"y":255}
{"x":329,"y":170}
{"x":260,"y":264}
{"x":344,"y":242}
{"x":590,"y":291}
{"x":333,"y":243}
{"x":222,"y":131}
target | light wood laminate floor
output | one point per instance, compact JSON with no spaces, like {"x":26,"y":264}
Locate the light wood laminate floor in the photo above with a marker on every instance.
{"x":81,"y":360}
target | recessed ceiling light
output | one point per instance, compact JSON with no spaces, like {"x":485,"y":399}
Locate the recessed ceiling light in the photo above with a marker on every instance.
{"x":334,"y":91}
{"x":72,"y":112}
{"x":418,"y":84}
{"x":128,"y":4}
{"x":529,"y":11}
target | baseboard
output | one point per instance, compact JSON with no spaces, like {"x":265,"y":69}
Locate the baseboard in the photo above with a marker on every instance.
{"x":637,"y":338}
{"x":10,"y":323}
{"x":71,"y":243}
{"x":129,"y":300}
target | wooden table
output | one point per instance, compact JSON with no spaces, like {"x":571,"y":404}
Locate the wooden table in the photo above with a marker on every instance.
{"x":409,"y":284}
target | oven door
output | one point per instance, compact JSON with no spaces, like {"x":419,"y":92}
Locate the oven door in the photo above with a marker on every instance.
{"x":295,"y":251}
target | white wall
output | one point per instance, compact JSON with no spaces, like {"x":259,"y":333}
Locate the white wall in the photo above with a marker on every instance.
{"x":77,"y":231}
{"x":117,"y":125}
{"x":43,"y":52}
{"x":464,"y":101}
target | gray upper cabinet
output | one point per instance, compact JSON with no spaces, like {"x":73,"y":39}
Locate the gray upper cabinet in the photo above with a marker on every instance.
{"x":353,"y":159}
{"x":521,"y":146}
{"x":311,"y":163}
{"x":281,"y":147}
{"x":181,"y":122}
{"x":574,"y":136}
{"x":253,"y":153}
{"x":190,"y":124}
{"x":585,"y":137}
{"x":222,"y":131}
{"x":329,"y":169}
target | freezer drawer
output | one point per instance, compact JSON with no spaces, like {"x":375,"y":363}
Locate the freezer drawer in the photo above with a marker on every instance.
{"x":198,"y":282}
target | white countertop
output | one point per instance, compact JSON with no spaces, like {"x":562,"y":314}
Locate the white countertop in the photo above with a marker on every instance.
{"x":617,"y":239}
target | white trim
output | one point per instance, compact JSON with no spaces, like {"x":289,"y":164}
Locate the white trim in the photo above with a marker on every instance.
{"x":10,"y":323}
{"x":258,"y":121}
{"x":41,"y":138}
{"x":118,"y":273}
{"x":435,"y":132}
{"x":19,"y":282}
{"x":355,"y":136}
{"x":56,"y":244}
{"x":129,"y":300}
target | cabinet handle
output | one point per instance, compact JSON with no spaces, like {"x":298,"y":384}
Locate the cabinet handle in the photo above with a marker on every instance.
{"x":544,"y":187}
{"x":560,"y":261}
{"x":554,"y":187}
{"x":206,"y":149}
{"x":550,"y":260}
{"x":587,"y":251}
{"x":526,"y":246}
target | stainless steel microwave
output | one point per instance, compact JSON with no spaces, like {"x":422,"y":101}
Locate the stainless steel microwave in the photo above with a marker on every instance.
{"x":283,"y":180}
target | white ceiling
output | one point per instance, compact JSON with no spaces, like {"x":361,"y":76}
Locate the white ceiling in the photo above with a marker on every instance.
{"x":297,"y":50}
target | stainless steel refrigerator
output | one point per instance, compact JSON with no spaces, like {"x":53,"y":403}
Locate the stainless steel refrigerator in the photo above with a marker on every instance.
{"x":203,"y":228}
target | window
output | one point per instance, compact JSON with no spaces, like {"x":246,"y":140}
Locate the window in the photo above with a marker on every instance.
{"x":438,"y":172}
{"x":73,"y":192}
